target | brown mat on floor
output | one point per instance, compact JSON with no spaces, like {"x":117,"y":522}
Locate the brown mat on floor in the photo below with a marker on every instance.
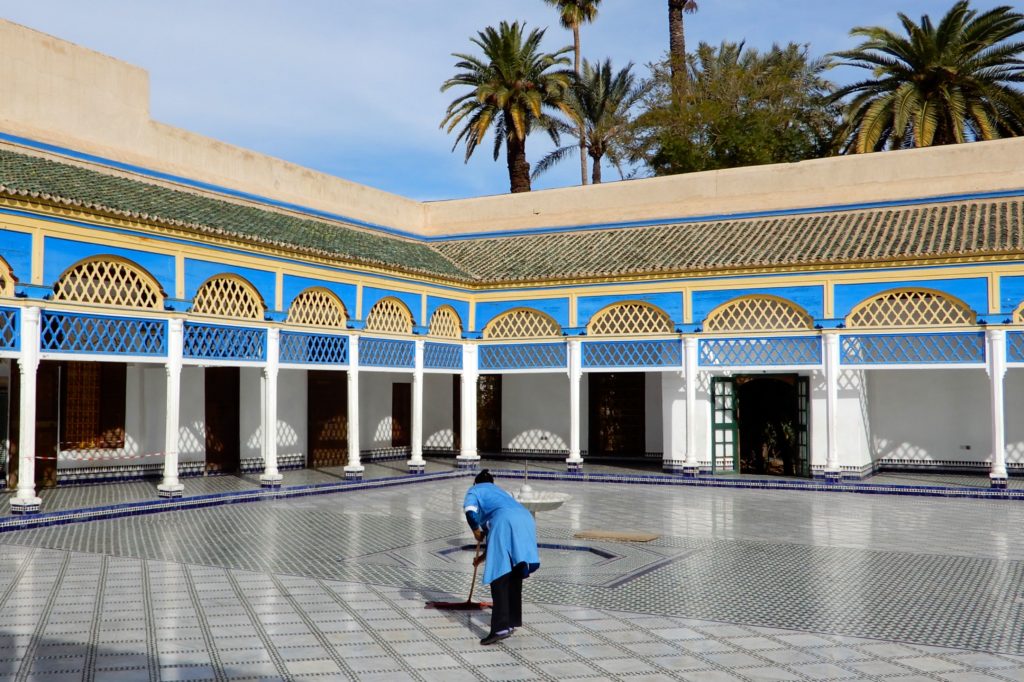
{"x":621,"y":536}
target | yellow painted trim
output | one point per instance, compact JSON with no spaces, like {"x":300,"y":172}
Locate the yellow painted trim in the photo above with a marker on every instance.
{"x":994,"y":303}
{"x":37,"y":257}
{"x":423,"y":309}
{"x":472,"y":315}
{"x":687,"y":306}
{"x":278,"y":290}
{"x":573,"y":320}
{"x":359,"y":302}
{"x":828,"y":309}
{"x":179,"y":276}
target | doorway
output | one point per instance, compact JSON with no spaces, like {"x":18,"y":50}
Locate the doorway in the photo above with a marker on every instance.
{"x":327,"y":417}
{"x":617,"y":422}
{"x":488,"y":413}
{"x":223,"y":440}
{"x":401,"y":415}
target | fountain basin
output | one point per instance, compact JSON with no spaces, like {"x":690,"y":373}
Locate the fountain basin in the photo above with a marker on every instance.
{"x":537,"y":501}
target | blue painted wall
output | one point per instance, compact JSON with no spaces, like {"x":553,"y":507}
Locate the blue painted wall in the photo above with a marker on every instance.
{"x":372,"y":295}
{"x":461,"y":307}
{"x":293,"y":286}
{"x":198,"y":271}
{"x":61,"y":254}
{"x":558,"y":308}
{"x":670,"y":302}
{"x":973,"y":291}
{"x":810,"y":298}
{"x":1011,"y":293}
{"x":16,"y":249}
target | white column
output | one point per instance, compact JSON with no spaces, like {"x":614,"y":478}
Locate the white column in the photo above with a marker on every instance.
{"x":996,"y":341}
{"x":271,"y":477}
{"x":354,"y":469}
{"x":416,"y":463}
{"x":673,"y":416}
{"x":170,"y":486}
{"x":468,"y":458}
{"x":25,"y":500}
{"x":692,"y":465}
{"x":575,"y":460}
{"x":832,"y":472}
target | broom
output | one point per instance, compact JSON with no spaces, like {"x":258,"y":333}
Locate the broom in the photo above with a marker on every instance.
{"x":469,"y":604}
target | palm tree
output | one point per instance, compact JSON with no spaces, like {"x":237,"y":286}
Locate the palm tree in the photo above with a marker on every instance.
{"x":602,"y":100}
{"x":512,"y":87}
{"x":677,"y":43}
{"x":937,"y":84}
{"x":573,"y":14}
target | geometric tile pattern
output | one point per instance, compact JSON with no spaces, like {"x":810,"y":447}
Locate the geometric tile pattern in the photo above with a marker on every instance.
{"x":947,"y":348}
{"x":445,"y":323}
{"x":108,"y":282}
{"x":217,"y":342}
{"x":317,"y":307}
{"x":83,"y":333}
{"x":521,"y":323}
{"x":228,"y":296}
{"x":1015,"y":346}
{"x":387,"y":352}
{"x":757,"y":314}
{"x":630,"y":318}
{"x":442,"y":355}
{"x":632,"y":353}
{"x":390,"y":316}
{"x":523,"y":356}
{"x":910,"y":308}
{"x":10,"y":329}
{"x":301,"y":347}
{"x":782,"y":350}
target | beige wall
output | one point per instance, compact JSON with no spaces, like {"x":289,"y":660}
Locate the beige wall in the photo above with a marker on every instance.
{"x":60,"y":93}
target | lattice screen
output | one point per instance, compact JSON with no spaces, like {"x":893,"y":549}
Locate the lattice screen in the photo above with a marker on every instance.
{"x":445,"y":323}
{"x":389,"y":315}
{"x":110,"y":282}
{"x":228,"y":296}
{"x":6,"y":279}
{"x":910,"y":308}
{"x":318,"y":308}
{"x":521,"y":323}
{"x":757,"y":314}
{"x":1018,"y":314}
{"x":630,"y":318}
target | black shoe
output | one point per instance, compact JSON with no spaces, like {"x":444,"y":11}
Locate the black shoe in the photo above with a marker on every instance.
{"x":495,"y":637}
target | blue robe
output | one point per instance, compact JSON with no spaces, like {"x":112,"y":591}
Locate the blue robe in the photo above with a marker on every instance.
{"x":511,"y":532}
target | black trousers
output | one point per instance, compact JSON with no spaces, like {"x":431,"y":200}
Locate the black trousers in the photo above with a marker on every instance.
{"x":507,"y":593}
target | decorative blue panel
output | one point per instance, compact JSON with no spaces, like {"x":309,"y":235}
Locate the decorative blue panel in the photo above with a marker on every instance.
{"x":387,"y":353}
{"x":461,"y":307}
{"x":10,"y":329}
{"x":669,"y":302}
{"x":373,"y":295}
{"x":16,"y":249}
{"x":523,"y":356}
{"x":198,"y":271}
{"x":318,"y":349}
{"x":218,"y":342}
{"x":971,"y":290}
{"x":750,"y":352}
{"x":83,"y":333}
{"x":811,"y":298}
{"x":293,"y":286}
{"x":442,"y":355}
{"x":895,"y":349}
{"x":632,"y":353}
{"x":61,"y":254}
{"x":556,"y":308}
{"x":1015,"y":346}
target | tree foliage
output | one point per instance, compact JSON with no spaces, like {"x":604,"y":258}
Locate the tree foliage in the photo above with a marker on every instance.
{"x":740,"y":107}
{"x":937,"y":84}
{"x":513,"y":88}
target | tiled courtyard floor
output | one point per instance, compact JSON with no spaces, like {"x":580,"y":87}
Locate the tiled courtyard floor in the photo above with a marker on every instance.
{"x":741,"y":584}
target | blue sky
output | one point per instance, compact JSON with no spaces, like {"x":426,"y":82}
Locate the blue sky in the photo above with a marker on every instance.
{"x":351,"y":87}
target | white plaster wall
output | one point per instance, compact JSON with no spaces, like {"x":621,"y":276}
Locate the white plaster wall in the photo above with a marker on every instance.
{"x":292,"y":423}
{"x":250,"y":419}
{"x":375,"y":408}
{"x":1013,"y":399}
{"x":930,"y":415}
{"x":535,"y":412}
{"x":673,"y":416}
{"x":652,"y":412}
{"x":853,"y":440}
{"x":438,"y":419}
{"x":702,"y":420}
{"x":192,"y":418}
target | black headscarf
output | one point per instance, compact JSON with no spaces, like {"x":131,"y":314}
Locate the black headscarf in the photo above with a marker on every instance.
{"x":484,"y":477}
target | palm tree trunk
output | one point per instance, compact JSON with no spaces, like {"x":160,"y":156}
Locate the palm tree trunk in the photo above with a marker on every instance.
{"x":583,"y":135}
{"x":518,"y":166}
{"x":597,"y":170}
{"x":677,"y":48}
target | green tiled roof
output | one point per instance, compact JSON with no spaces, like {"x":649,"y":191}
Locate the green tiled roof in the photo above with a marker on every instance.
{"x":23,"y":175}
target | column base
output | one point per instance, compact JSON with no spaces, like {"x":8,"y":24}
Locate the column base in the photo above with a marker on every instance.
{"x":170,"y":489}
{"x":467,"y":463}
{"x":416,"y":466}
{"x":354,"y":473}
{"x":833,"y":476}
{"x":691,"y":470}
{"x":271,"y":480}
{"x":999,"y":482}
{"x":574,"y":466}
{"x":25,"y":505}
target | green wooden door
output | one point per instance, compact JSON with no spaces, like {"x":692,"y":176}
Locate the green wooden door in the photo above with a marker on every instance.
{"x":724,"y":430}
{"x":803,"y":419}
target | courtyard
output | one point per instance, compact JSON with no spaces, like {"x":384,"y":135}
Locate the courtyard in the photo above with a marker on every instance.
{"x":741,"y":584}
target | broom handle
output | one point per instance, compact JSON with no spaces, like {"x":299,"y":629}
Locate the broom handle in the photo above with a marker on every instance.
{"x":473,"y":586}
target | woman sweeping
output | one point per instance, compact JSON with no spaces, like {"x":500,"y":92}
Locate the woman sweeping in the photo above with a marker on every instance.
{"x":511,"y":552}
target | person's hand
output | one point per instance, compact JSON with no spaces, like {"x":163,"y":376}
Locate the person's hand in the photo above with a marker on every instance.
{"x":477,"y":560}
{"x":478,"y":534}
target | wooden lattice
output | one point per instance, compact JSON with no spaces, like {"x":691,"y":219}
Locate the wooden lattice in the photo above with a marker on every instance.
{"x":757,"y":314}
{"x":110,"y":282}
{"x":521,"y":323}
{"x":910,"y":308}
{"x":623,"y":319}
{"x":228,"y":296}
{"x":391,"y":316}
{"x":445,"y":323}
{"x":319,"y":308}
